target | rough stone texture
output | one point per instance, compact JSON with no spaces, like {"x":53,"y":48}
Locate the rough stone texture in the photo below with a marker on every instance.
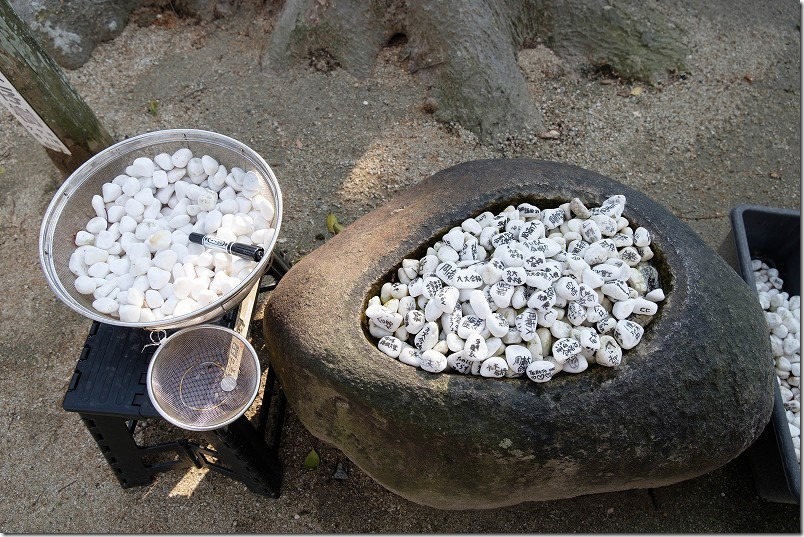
{"x":693,"y":395}
{"x":70,"y":31}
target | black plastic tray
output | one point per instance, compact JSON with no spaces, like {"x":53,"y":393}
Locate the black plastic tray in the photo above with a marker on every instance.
{"x":774,"y":236}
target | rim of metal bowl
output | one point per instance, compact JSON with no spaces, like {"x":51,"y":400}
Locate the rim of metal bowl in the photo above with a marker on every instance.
{"x":183,"y":332}
{"x":134,"y":147}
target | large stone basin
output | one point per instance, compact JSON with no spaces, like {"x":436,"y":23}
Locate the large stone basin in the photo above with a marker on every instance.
{"x":690,"y":397}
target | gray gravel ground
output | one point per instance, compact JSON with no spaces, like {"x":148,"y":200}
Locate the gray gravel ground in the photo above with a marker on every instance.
{"x":728,"y":132}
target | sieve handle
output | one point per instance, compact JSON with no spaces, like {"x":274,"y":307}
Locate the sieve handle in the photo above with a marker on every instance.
{"x":242,"y":324}
{"x":246,"y":251}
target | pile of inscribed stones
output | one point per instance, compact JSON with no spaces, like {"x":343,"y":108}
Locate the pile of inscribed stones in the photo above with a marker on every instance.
{"x":528,"y":291}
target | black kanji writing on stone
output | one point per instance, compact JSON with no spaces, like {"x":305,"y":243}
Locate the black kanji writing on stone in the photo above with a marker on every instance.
{"x":8,"y":95}
{"x":432,"y":288}
{"x":542,"y":374}
{"x":495,"y":369}
{"x":454,"y":320}
{"x":24,"y":115}
{"x":604,"y":272}
{"x":448,"y":271}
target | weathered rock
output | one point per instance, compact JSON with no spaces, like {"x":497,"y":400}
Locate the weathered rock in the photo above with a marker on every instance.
{"x":461,"y":442}
{"x":70,"y":31}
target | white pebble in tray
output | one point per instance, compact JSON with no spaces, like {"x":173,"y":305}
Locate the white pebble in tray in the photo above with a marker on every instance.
{"x":527,"y":292}
{"x":783,"y":316}
{"x":139,"y":237}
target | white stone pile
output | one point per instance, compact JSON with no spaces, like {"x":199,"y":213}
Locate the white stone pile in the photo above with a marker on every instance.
{"x":528,"y":291}
{"x":135,"y":257}
{"x":783,"y":314}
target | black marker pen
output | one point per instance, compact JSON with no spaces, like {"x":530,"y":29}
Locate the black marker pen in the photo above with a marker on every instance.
{"x":245,"y":251}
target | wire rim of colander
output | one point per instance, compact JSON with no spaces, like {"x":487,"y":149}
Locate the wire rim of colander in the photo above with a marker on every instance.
{"x":59,"y":204}
{"x":249,"y":349}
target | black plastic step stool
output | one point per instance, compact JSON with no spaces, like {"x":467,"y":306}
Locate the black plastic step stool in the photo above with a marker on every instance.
{"x":108,"y":390}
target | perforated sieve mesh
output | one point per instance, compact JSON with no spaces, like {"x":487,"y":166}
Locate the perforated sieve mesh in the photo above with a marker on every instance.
{"x":185,"y":374}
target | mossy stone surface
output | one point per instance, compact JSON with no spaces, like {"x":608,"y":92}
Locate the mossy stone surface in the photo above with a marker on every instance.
{"x":690,"y":397}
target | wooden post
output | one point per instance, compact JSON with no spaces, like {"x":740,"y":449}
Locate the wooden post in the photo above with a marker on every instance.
{"x":44,"y":101}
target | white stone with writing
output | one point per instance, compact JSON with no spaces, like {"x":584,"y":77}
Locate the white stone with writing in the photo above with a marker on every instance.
{"x":565,"y":348}
{"x":470,"y":324}
{"x":540,"y":371}
{"x":616,"y":290}
{"x":414,"y":321}
{"x":494,"y":367}
{"x":468,"y":279}
{"x":628,"y":333}
{"x":427,"y":337}
{"x":454,"y":238}
{"x":481,"y":306}
{"x":446,"y":298}
{"x":642,"y":237}
{"x":567,"y":288}
{"x":390,"y":345}
{"x":609,"y":354}
{"x":458,"y":363}
{"x":433,"y":361}
{"x":497,"y":325}
{"x":518,"y":358}
{"x":645,"y":307}
{"x":576,"y":364}
{"x":475,"y":348}
{"x":558,"y":280}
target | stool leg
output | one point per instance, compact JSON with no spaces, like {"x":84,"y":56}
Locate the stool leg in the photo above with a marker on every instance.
{"x":245,"y":457}
{"x":116,"y":441}
{"x":277,"y":267}
{"x":279,"y":419}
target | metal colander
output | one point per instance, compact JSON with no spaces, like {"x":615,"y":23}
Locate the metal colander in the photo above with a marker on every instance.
{"x":188,"y":382}
{"x":71,"y":208}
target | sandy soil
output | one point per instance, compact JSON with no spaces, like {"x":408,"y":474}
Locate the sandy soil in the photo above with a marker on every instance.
{"x":726,"y":133}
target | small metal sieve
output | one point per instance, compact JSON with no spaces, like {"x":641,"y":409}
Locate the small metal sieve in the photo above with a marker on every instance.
{"x":188,"y":382}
